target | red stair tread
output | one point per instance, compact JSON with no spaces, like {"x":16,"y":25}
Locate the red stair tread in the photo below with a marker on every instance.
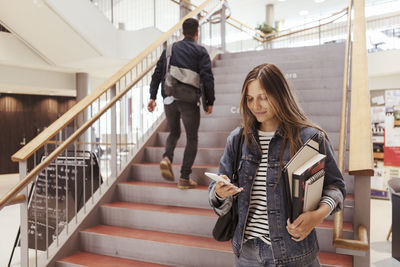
{"x":162,"y":208}
{"x":175,"y":164}
{"x":160,"y":184}
{"x":199,"y":148}
{"x":162,"y":237}
{"x":96,"y":260}
{"x":333,"y":259}
{"x":348,"y":226}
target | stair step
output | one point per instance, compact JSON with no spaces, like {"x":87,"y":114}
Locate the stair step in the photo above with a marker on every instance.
{"x":330,"y":123}
{"x":335,"y":260}
{"x":307,"y":51}
{"x":297,"y":82}
{"x":304,"y":96}
{"x":209,"y":156}
{"x":163,"y":194}
{"x":151,"y":245}
{"x":280,"y":62}
{"x":330,"y":108}
{"x":206,"y":139}
{"x":228,"y":110}
{"x":151,"y":172}
{"x":288,"y":70}
{"x":96,"y":260}
{"x":171,"y":219}
{"x":299,"y":85}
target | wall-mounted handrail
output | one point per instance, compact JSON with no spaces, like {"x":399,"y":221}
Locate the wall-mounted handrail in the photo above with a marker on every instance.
{"x":360,"y":156}
{"x":338,"y":240}
{"x":25,"y":152}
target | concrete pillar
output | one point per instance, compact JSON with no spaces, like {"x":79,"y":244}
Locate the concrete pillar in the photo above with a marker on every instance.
{"x":270,"y":15}
{"x":82,"y":90}
{"x":184,"y":9}
{"x":82,"y":85}
{"x":223,"y":28}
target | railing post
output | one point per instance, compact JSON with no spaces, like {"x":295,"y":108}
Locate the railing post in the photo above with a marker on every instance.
{"x":141,"y":111}
{"x":113,"y":121}
{"x":155,"y":13}
{"x":23,"y":169}
{"x":223,"y":27}
{"x":362,"y":214}
{"x":112,"y":12}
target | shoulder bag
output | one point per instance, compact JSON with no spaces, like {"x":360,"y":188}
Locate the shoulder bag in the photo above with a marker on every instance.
{"x":226,"y":224}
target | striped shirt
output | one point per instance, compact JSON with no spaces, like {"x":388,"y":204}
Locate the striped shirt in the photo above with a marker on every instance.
{"x":257,"y":220}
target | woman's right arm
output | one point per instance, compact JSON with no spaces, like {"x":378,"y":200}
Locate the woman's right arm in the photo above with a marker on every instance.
{"x":220,"y":195}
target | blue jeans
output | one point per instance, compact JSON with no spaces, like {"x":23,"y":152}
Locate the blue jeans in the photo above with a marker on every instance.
{"x":256,"y":253}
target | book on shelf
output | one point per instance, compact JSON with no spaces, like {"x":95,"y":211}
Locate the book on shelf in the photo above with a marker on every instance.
{"x":311,"y":172}
{"x":309,"y":149}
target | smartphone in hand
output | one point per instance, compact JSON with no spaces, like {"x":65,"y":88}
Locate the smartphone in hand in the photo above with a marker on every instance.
{"x":216,"y":177}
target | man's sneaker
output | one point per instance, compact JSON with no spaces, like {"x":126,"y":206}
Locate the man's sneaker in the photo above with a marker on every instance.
{"x":186,"y":183}
{"x":166,"y":169}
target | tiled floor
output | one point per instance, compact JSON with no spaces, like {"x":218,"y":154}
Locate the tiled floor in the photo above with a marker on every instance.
{"x":380,"y":224}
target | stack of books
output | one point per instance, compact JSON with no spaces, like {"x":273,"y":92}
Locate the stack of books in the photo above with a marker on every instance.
{"x":304,"y":179}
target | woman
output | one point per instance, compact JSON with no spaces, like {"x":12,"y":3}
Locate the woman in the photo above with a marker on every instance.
{"x":274,"y":129}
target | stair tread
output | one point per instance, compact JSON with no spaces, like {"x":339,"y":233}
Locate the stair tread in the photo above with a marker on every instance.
{"x":198,"y":148}
{"x":334,"y":259}
{"x":347,"y":226}
{"x":97,"y":260}
{"x":176,"y":164}
{"x":162,"y":208}
{"x":161,"y":184}
{"x":162,"y":237}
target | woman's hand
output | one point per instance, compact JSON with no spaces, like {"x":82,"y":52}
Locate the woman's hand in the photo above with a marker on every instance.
{"x":303,"y":225}
{"x":226,"y":190}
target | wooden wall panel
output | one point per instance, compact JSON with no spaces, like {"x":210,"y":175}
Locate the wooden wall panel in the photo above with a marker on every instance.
{"x":25,"y":116}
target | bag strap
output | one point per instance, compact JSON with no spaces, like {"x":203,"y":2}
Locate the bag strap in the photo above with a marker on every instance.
{"x":238,"y":156}
{"x":168,"y":55}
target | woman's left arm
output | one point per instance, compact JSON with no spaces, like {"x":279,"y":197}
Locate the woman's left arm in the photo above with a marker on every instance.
{"x":306,"y":222}
{"x":333,"y":195}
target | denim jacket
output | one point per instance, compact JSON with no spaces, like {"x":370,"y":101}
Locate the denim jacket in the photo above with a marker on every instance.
{"x":286,"y":252}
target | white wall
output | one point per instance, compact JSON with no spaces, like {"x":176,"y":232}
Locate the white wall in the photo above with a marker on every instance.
{"x":37,"y":82}
{"x":384,"y":70}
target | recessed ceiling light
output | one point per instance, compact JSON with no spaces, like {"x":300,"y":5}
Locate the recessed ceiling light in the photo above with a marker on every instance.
{"x":281,"y":0}
{"x":9,"y":92}
{"x":303,"y":13}
{"x":319,"y":1}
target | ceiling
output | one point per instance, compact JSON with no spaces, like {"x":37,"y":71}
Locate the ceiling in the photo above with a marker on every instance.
{"x":252,"y":12}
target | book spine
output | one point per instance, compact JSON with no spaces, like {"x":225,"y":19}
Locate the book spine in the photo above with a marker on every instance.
{"x":298,"y":195}
{"x":288,"y":197}
{"x":316,"y":176}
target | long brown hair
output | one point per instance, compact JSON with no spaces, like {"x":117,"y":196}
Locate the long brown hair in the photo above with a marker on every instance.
{"x":290,"y":116}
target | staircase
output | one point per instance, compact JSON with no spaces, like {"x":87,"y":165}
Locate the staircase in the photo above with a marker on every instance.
{"x":152,"y":223}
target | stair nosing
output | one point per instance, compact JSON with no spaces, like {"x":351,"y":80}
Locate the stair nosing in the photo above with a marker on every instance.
{"x":160,"y":237}
{"x":161,"y":208}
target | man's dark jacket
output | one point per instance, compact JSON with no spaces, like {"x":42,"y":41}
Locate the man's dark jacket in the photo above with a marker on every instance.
{"x":190,"y":55}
